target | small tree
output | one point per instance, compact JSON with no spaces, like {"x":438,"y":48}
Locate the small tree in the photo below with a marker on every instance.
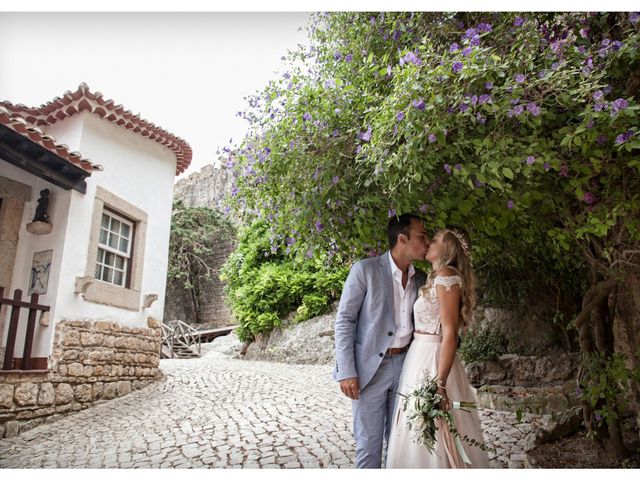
{"x":194,"y":234}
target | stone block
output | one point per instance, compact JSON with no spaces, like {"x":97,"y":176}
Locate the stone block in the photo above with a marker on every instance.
{"x":71,"y":339}
{"x":26,"y":394}
{"x":75,"y":370}
{"x":46,"y":395}
{"x":88,"y":371}
{"x":82,"y":392}
{"x":110,"y":390}
{"x":64,"y":393}
{"x":109,"y":341}
{"x":98,"y":390}
{"x":103,"y":326}
{"x":89,"y":339}
{"x":124,"y":387}
{"x":11,"y":428}
{"x":6,"y":396}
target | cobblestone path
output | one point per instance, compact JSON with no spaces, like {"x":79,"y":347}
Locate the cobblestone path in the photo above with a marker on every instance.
{"x":216,"y":412}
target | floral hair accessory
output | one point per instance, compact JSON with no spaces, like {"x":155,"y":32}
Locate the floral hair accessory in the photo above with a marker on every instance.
{"x":462,"y":241}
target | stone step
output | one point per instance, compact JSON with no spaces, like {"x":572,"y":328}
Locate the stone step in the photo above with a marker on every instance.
{"x":538,"y":400}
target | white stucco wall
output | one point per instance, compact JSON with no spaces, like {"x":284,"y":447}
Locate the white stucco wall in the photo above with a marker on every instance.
{"x":139,"y":171}
{"x":28,"y":244}
{"x":136,"y":169}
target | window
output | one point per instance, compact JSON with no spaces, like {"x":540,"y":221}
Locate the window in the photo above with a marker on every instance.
{"x":114,"y":249}
{"x":116,"y":253}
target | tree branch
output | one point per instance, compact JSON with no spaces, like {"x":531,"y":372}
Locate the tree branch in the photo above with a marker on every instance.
{"x":593,"y":297}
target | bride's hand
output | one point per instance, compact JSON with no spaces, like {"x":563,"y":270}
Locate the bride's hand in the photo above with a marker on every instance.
{"x":445,"y":403}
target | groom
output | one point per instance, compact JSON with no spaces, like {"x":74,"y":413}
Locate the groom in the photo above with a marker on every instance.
{"x":374,"y":326}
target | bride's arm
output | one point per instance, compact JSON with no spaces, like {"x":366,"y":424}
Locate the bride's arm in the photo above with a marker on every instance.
{"x":449,"y":300}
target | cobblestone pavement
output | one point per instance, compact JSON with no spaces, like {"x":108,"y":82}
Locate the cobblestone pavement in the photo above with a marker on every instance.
{"x":216,"y":412}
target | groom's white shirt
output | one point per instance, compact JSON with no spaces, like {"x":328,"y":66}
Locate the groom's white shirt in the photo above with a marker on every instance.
{"x":403,"y":300}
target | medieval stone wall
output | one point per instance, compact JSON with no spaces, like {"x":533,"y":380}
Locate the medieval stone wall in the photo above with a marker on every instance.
{"x":206,"y":188}
{"x":92,"y":361}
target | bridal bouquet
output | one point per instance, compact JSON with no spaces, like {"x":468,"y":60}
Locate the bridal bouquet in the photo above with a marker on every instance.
{"x":422,"y":409}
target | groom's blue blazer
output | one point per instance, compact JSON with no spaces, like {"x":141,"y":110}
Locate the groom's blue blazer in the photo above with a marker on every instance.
{"x":364,"y":325}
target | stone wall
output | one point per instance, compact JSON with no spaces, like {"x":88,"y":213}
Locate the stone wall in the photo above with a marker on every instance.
{"x":92,"y":361}
{"x":205,"y":188}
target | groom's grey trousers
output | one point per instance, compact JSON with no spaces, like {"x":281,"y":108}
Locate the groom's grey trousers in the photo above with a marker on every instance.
{"x":372,"y":413}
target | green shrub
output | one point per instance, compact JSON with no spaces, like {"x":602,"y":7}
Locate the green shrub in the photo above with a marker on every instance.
{"x":482,"y":345}
{"x":264,"y":285}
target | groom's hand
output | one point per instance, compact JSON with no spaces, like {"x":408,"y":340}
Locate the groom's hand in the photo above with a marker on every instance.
{"x":350,"y":387}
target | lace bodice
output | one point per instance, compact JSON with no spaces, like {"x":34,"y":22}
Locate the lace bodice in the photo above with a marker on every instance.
{"x":426,"y":310}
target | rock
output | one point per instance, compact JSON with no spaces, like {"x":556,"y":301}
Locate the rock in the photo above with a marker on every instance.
{"x":124,"y":387}
{"x":6,"y":396}
{"x":47,"y":395}
{"x":300,"y":343}
{"x":64,"y":394}
{"x":26,"y":394}
{"x":11,"y":428}
{"x":227,"y":345}
{"x":82,"y":392}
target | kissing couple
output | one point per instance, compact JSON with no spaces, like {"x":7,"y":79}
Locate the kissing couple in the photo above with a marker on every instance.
{"x":394,"y":325}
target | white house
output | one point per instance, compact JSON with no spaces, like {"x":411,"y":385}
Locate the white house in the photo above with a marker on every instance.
{"x":95,"y":249}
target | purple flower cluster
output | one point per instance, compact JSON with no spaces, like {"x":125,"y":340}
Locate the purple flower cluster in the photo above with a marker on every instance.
{"x":447,"y":168}
{"x":617,"y":105}
{"x":432,"y":138}
{"x":467,"y":51}
{"x":623,"y":137}
{"x":392,"y":212}
{"x":520,"y":78}
{"x":484,"y":28}
{"x":546,"y":166}
{"x":634,"y":17}
{"x":470,"y":33}
{"x":411,"y":57}
{"x":348,"y":57}
{"x":511,"y":204}
{"x":423,"y":208}
{"x":400,"y":116}
{"x":589,"y":198}
{"x":454,"y":47}
{"x":419,"y":104}
{"x":457,"y":66}
{"x":534,"y":109}
{"x":530,"y":160}
{"x":484,"y":98}
{"x":488,"y":85}
{"x":306,"y":117}
{"x":598,"y":95}
{"x":319,"y":226}
{"x":366,"y":136}
{"x":518,"y":22}
{"x":335,"y":179}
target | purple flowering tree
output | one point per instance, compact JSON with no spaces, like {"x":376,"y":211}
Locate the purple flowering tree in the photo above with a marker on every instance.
{"x":522,"y":127}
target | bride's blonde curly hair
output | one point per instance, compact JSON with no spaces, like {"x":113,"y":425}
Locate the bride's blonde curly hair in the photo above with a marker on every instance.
{"x":456,"y":255}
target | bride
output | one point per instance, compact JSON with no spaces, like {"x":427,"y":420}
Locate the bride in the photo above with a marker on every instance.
{"x":444,"y":307}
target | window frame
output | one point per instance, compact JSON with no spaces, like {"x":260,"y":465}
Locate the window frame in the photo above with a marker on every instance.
{"x":103,"y":292}
{"x":128,"y":256}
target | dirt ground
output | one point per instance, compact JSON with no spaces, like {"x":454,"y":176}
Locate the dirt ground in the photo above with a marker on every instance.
{"x":577,"y":451}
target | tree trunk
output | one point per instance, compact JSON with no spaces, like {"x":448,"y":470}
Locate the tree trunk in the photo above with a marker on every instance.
{"x":595,"y":323}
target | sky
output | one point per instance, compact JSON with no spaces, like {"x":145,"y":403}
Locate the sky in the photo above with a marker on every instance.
{"x":185,"y":72}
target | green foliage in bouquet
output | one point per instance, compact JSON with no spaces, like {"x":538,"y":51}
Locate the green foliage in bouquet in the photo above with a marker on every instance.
{"x":422,"y":409}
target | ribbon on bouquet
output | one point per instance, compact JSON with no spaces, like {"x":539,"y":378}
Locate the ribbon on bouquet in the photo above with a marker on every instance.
{"x":463,"y":454}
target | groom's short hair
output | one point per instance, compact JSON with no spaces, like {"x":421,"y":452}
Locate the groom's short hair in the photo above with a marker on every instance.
{"x":400,"y":224}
